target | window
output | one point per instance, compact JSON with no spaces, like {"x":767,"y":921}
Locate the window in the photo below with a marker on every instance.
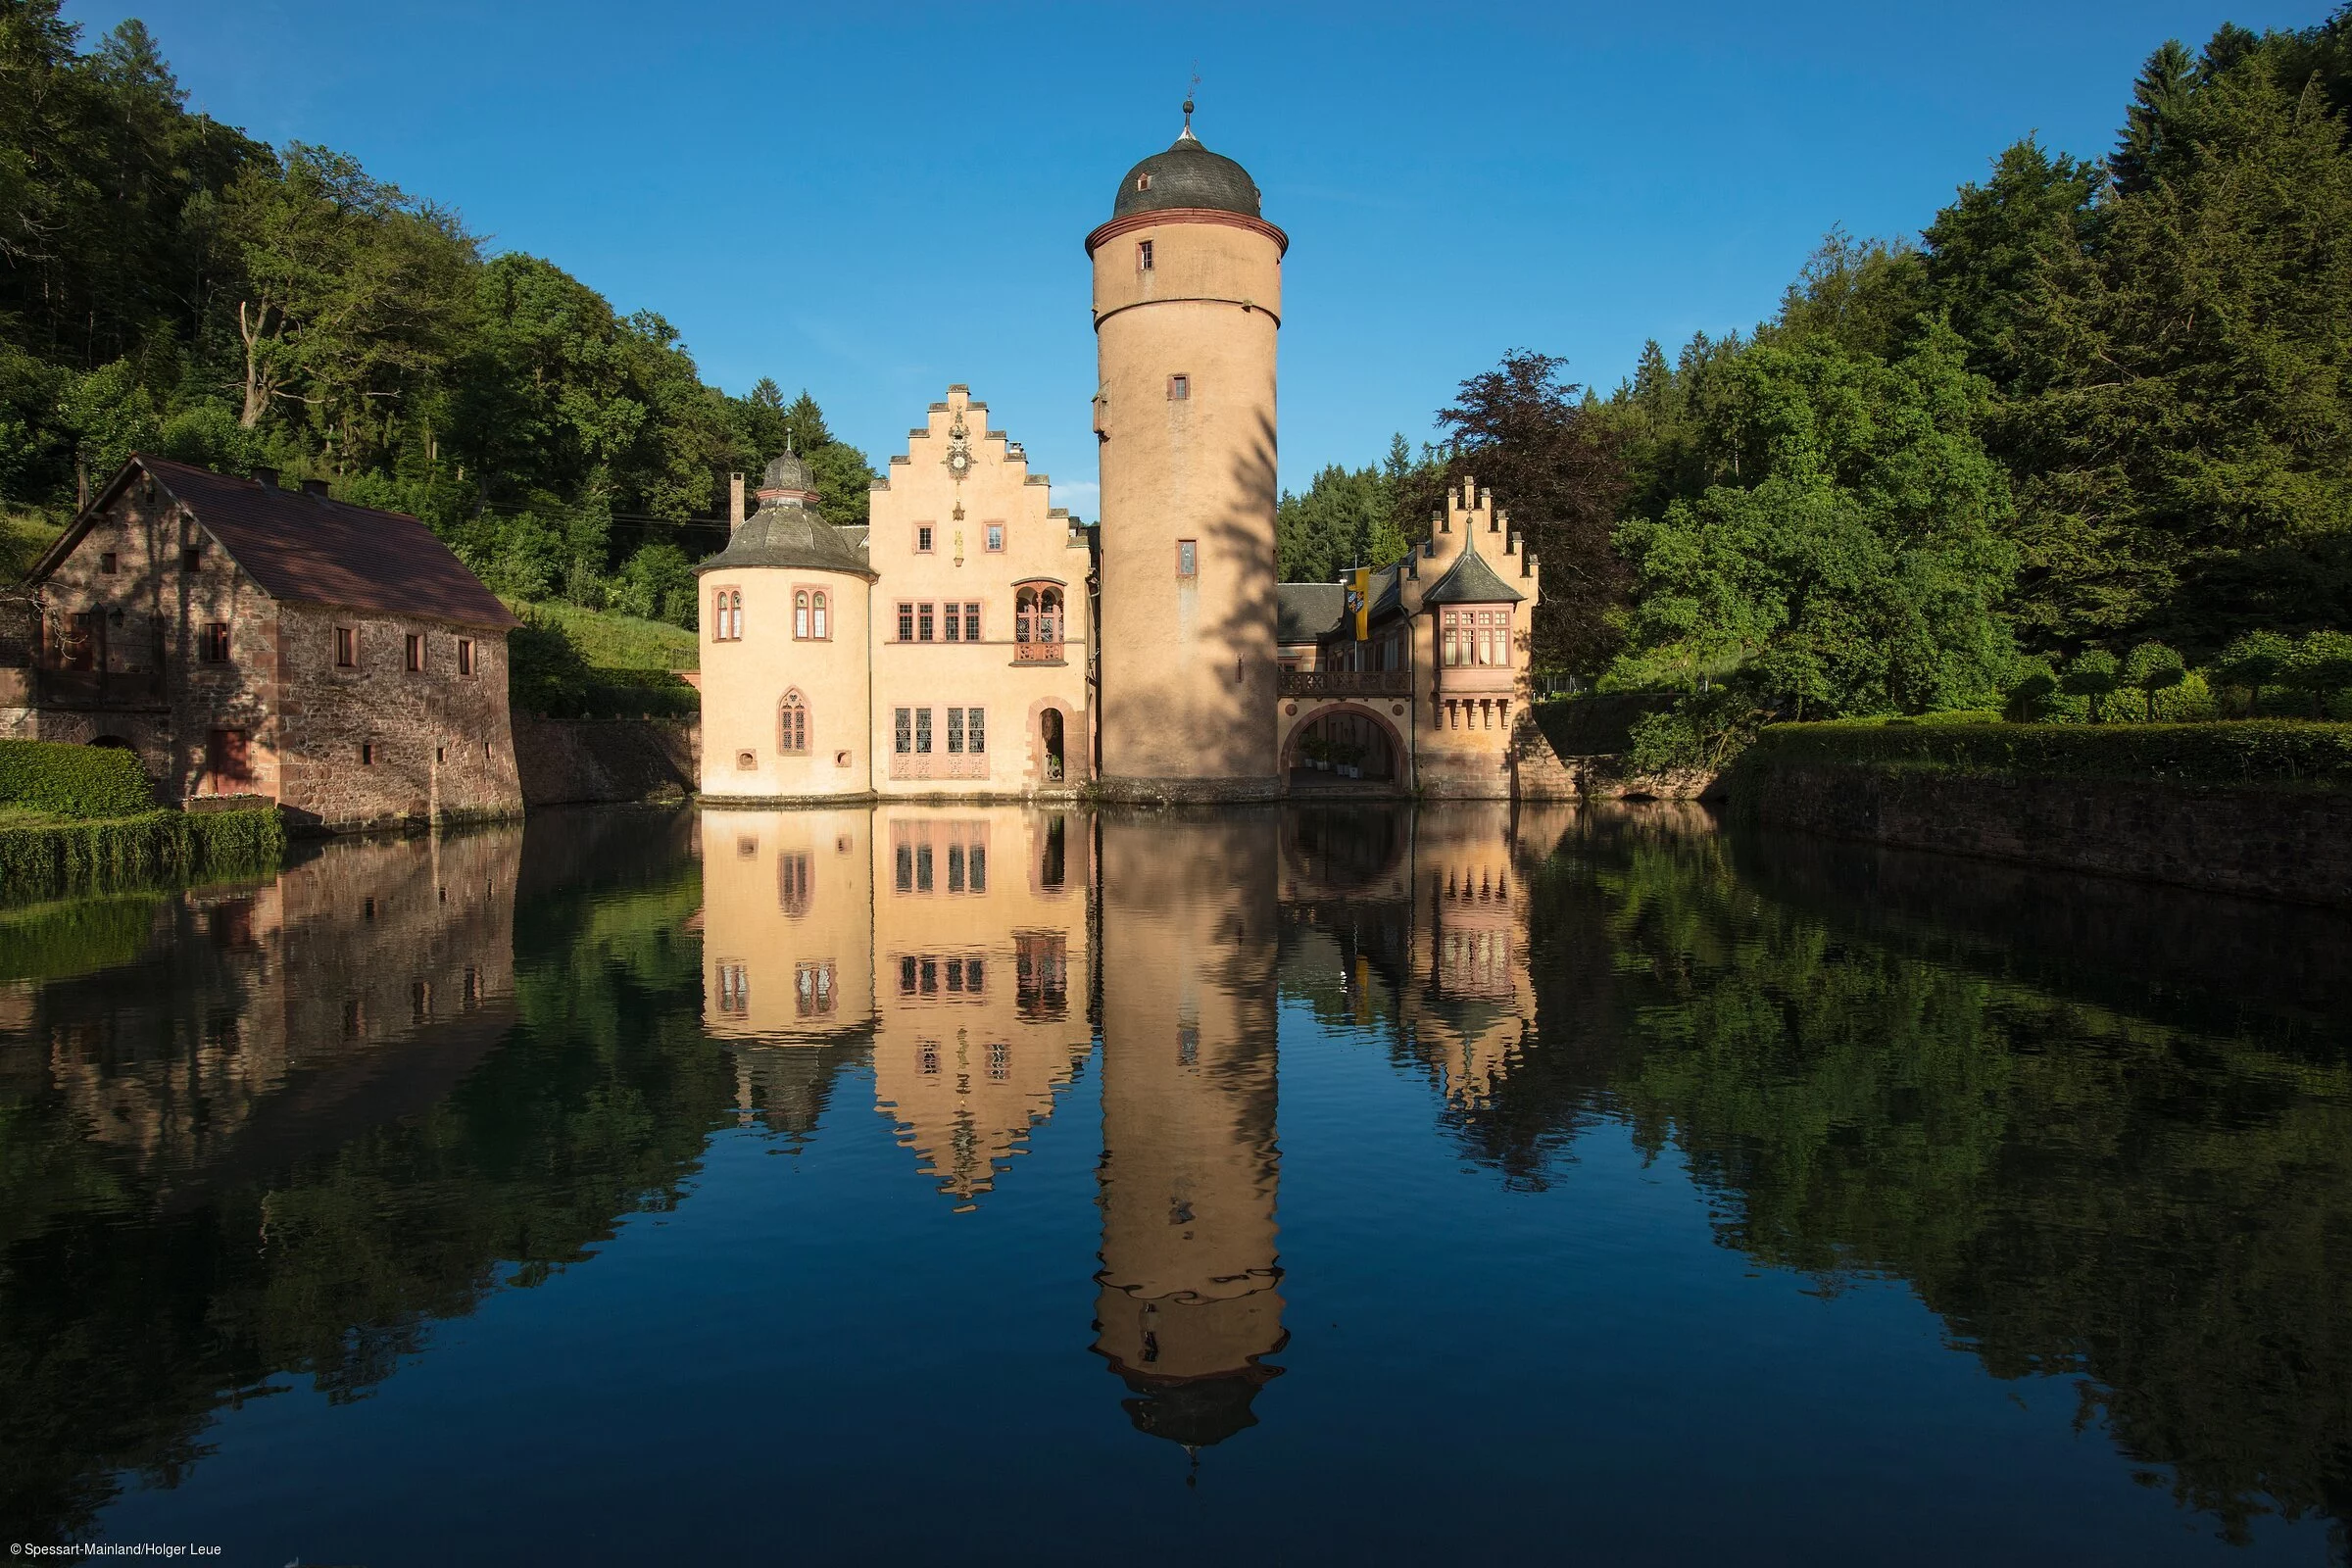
{"x":821,"y":634}
{"x":971,"y":622}
{"x":922,"y":732}
{"x":794,"y":874}
{"x":726,"y":615}
{"x":1048,"y":615}
{"x":955,"y":885}
{"x":996,"y":536}
{"x":976,"y":733}
{"x":812,"y":989}
{"x":906,"y":623}
{"x":922,"y":884}
{"x":109,"y":563}
{"x":465,"y":665}
{"x":902,"y":741}
{"x":216,"y":643}
{"x":922,"y":622}
{"x":414,"y":656}
{"x":800,"y":613}
{"x":955,"y":749}
{"x":1142,"y":249}
{"x":955,"y":622}
{"x":191,"y":558}
{"x":367,"y":754}
{"x":440,"y":754}
{"x":922,"y":539}
{"x":1144,"y":182}
{"x":346,"y":648}
{"x":1188,"y":557}
{"x":1180,"y":387}
{"x":747,"y":761}
{"x":905,"y":883}
{"x":734,"y":989}
{"x":792,"y":727}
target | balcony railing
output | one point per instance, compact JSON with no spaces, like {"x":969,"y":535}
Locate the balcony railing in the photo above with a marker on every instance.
{"x":1037,"y":652}
{"x":1346,"y":683}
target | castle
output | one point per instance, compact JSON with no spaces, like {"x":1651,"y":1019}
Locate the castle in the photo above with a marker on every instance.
{"x":973,"y":640}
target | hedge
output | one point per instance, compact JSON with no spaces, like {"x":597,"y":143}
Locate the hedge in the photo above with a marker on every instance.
{"x":80,"y":781}
{"x":134,"y":851}
{"x":2265,"y":754}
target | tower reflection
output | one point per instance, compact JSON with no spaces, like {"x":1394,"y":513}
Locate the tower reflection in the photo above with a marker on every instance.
{"x":1190,"y":1298}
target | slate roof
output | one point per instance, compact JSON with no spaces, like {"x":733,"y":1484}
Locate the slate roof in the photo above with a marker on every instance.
{"x":1187,"y":175}
{"x":784,"y":532}
{"x":1306,"y":611}
{"x":304,"y":548}
{"x":1471,"y":582}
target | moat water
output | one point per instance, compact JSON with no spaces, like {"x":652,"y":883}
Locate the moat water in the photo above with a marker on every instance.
{"x":976,"y":1185}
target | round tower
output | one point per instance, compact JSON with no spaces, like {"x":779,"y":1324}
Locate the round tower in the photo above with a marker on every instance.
{"x":784,"y":689}
{"x":1188,"y":301}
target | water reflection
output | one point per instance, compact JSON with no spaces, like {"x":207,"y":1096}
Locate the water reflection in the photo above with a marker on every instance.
{"x":2104,"y":1133}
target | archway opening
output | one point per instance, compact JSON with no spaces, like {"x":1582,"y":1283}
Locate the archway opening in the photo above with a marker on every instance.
{"x":1342,"y":745}
{"x":1050,"y":736}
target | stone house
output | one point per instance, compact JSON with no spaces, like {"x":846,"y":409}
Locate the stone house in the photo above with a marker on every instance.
{"x":252,"y":641}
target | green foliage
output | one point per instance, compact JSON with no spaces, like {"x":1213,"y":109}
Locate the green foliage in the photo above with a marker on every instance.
{"x":1595,"y":724}
{"x":550,"y":674}
{"x":2270,"y":754}
{"x":2149,"y":668}
{"x":123,"y":851}
{"x":2092,"y":674}
{"x":168,"y":283}
{"x":2253,"y":662}
{"x":1351,"y":517}
{"x":1854,"y":565}
{"x":2320,"y":667}
{"x":76,"y":781}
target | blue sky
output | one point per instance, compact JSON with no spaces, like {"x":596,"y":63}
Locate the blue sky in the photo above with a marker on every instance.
{"x":873,"y":201}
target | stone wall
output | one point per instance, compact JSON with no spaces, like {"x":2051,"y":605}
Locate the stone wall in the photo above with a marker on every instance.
{"x":375,"y":744}
{"x":2275,"y":844}
{"x":602,"y":761}
{"x":1538,"y":773}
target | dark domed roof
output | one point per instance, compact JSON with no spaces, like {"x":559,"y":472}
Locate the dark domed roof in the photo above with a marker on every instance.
{"x":786,"y":532}
{"x":787,"y":473}
{"x":1187,"y":174}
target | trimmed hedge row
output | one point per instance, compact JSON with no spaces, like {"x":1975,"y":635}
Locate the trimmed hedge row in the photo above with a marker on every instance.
{"x":2268,"y":754}
{"x":83,"y":781}
{"x":134,"y":851}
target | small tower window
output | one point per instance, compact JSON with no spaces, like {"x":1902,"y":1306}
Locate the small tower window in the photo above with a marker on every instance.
{"x":800,"y":613}
{"x":820,"y":615}
{"x":1142,"y":255}
{"x":1188,"y":557}
{"x":1180,"y":387}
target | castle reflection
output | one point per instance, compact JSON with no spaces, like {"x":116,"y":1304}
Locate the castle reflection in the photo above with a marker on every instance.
{"x":980,"y":954}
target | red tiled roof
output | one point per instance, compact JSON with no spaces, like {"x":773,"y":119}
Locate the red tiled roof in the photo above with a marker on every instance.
{"x":311,"y":550}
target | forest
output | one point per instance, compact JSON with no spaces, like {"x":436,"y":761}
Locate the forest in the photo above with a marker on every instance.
{"x":2081,"y":447}
{"x":169,"y":284}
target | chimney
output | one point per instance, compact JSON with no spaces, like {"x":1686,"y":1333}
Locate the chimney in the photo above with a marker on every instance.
{"x":267,"y":478}
{"x":734,"y":502}
{"x":315,"y":487}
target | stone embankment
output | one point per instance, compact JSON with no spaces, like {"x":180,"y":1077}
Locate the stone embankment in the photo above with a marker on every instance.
{"x":606,"y":761}
{"x":2264,"y":840}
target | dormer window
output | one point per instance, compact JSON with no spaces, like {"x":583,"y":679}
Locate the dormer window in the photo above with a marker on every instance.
{"x":1142,"y":182}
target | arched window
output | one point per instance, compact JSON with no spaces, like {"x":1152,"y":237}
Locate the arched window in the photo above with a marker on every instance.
{"x":800,"y":613}
{"x":726,"y":615}
{"x":1024,"y":615}
{"x":1048,"y":615}
{"x":820,"y":614}
{"x":792,"y":725}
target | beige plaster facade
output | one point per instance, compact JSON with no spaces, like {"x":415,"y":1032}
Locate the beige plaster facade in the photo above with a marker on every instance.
{"x":1188,"y":304}
{"x":940,"y":651}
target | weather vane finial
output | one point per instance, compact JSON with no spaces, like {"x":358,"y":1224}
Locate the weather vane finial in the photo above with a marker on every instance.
{"x":1188,"y":98}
